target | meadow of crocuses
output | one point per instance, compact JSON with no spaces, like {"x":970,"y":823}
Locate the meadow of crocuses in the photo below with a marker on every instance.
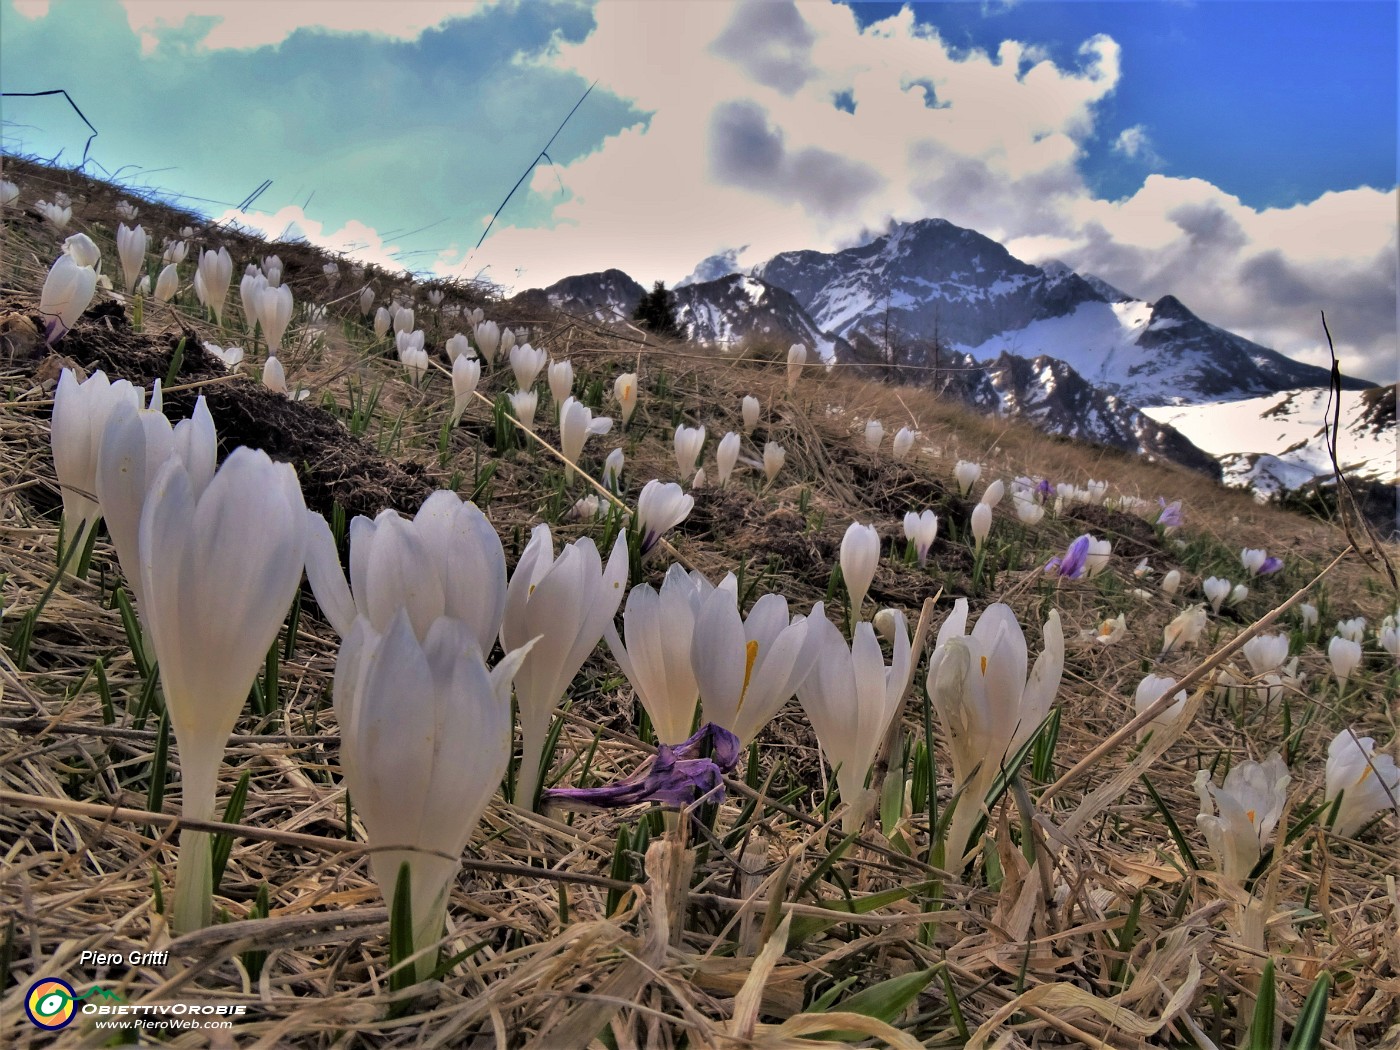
{"x":683,"y":703}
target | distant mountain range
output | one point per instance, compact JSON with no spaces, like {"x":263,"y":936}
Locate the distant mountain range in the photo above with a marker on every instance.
{"x":932,"y":303}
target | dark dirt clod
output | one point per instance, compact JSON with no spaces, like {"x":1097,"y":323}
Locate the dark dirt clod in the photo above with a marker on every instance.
{"x":335,"y":467}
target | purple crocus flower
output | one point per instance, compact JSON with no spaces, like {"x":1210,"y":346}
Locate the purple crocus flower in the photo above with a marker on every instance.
{"x":1072,"y":564}
{"x":1170,"y":517}
{"x":1271,"y":564}
{"x":678,"y":776}
{"x":1044,"y":490}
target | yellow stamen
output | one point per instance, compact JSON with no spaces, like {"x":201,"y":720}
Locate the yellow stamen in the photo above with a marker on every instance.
{"x":750,"y":655}
{"x":1250,"y":814}
{"x":984,"y":665}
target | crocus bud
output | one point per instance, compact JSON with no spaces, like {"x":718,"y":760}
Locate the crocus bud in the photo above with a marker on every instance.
{"x":383,"y":321}
{"x":1238,"y":593}
{"x":612,"y":470}
{"x":1253,"y":559}
{"x":561,"y":381}
{"x":576,"y":424}
{"x":1096,"y":558}
{"x":1171,"y":582}
{"x":366,"y":300}
{"x":981,"y":524}
{"x":688,"y":442}
{"x":1216,"y":591}
{"x":523,"y":404}
{"x":1149,"y":691}
{"x":726,"y":455}
{"x":131,"y":250}
{"x":750,"y":409}
{"x":860,"y":554}
{"x":1185,"y":630}
{"x":458,"y":346}
{"x":215,"y":273}
{"x":660,"y":508}
{"x":403,"y":320}
{"x":1345,"y":656}
{"x":527,"y":363}
{"x":9,"y":193}
{"x":274,"y":376}
{"x":167,"y":283}
{"x":874,"y":434}
{"x":797,"y":357}
{"x":488,"y":339}
{"x":274,"y":314}
{"x":921,"y":529}
{"x":774,"y":456}
{"x":69,"y":286}
{"x":1266,"y":652}
{"x":903,"y":444}
{"x":80,"y":415}
{"x":625,"y":390}
{"x":993,"y":493}
{"x":466,"y":374}
{"x":967,"y":474}
{"x":1308,"y":614}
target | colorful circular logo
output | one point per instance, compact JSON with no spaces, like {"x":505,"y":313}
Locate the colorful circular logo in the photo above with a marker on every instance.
{"x":50,"y":1003}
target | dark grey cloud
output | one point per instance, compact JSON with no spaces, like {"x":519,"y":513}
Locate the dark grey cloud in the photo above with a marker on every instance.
{"x":748,"y":151}
{"x":1209,"y":227}
{"x":769,"y":41}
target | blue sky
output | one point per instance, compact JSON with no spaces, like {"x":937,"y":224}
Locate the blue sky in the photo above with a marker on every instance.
{"x":1241,"y":156}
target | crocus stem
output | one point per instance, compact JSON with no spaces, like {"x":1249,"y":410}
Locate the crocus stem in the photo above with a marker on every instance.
{"x":527,"y":780}
{"x":194,"y":882}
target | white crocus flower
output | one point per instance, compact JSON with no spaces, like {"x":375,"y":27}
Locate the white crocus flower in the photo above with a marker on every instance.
{"x":523,"y":405}
{"x":586,"y":508}
{"x":274,"y":377}
{"x":1253,"y":559}
{"x":527,"y":363}
{"x":1238,"y":593}
{"x":688,"y":442}
{"x":274,"y":309}
{"x":774,"y":456}
{"x":403,"y":320}
{"x":126,"y":211}
{"x":80,"y":415}
{"x":1345,"y":656}
{"x":1096,"y":490}
{"x":272,"y":269}
{"x":561,"y":381}
{"x":576,"y":424}
{"x":981,"y":524}
{"x":566,"y":603}
{"x":135,"y":444}
{"x":993,"y":493}
{"x":219,"y":570}
{"x":1353,"y":630}
{"x":796,"y":358}
{"x":131,"y":250}
{"x":988,"y":705}
{"x":850,"y":697}
{"x":874,"y":434}
{"x":410,"y":710}
{"x":1266,"y":652}
{"x":58,"y":215}
{"x":445,"y":561}
{"x":903,"y":444}
{"x":488,"y":339}
{"x":654,"y":650}
{"x":1308,"y":614}
{"x":860,"y":555}
{"x":69,"y":286}
{"x":726,"y":455}
{"x":507,"y":341}
{"x":660,"y":508}
{"x":966,"y":473}
{"x":921,"y":529}
{"x":435,"y":296}
{"x":1149,"y":691}
{"x":175,"y":252}
{"x":416,"y":363}
{"x":612,"y":470}
{"x":1185,"y":630}
{"x":1369,"y":783}
{"x":1171,"y":582}
{"x":230,"y":356}
{"x":625,"y":391}
{"x":750,"y":409}
{"x":458,"y":346}
{"x":748,"y":668}
{"x":1028,"y":511}
{"x":406,"y":342}
{"x":1111,"y":630}
{"x":1388,"y":638}
{"x":1249,"y":805}
{"x":9,"y":193}
{"x":167,"y":283}
{"x":383,"y":321}
{"x":1216,"y":591}
{"x":215,"y":273}
{"x":466,"y":375}
{"x":366,"y":300}
{"x":1096,"y":559}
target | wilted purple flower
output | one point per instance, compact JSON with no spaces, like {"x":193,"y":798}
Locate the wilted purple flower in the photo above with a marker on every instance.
{"x":678,"y":776}
{"x":1271,"y":564}
{"x":1072,"y":564}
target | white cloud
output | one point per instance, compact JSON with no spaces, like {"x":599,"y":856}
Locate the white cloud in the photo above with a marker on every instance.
{"x":1136,"y":144}
{"x":745,"y":144}
{"x":245,"y":24}
{"x":354,"y":240}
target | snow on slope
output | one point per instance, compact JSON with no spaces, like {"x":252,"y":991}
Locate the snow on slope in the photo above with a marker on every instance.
{"x":1278,"y":441}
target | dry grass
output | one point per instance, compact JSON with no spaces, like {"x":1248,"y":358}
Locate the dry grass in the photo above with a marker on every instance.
{"x":710,"y":945}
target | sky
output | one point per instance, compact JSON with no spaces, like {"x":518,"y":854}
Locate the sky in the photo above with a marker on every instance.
{"x":1238,"y":155}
